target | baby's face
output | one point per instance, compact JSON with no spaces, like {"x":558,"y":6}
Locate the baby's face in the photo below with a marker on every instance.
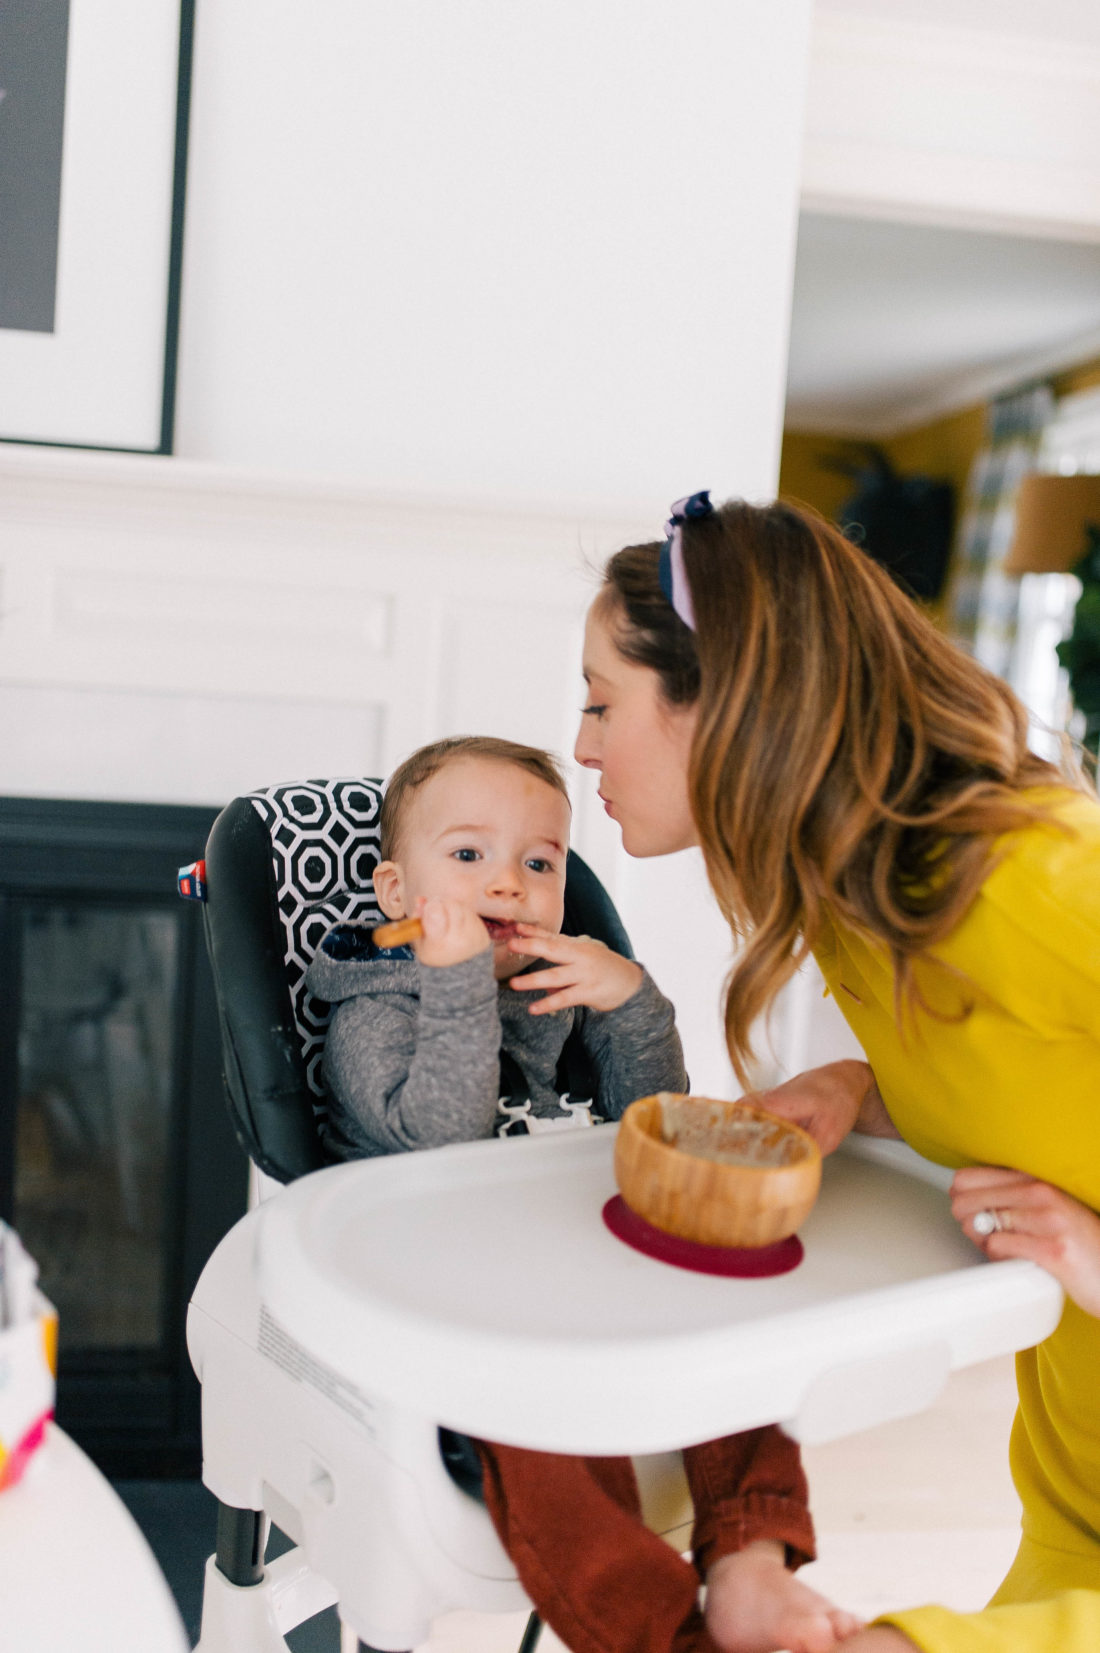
{"x":494,"y":838}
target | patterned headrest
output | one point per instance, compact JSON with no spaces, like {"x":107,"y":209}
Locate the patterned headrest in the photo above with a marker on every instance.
{"x":324,"y":849}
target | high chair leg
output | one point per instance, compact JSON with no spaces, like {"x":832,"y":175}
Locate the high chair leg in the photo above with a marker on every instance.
{"x":247,"y":1605}
{"x":531,"y":1634}
{"x":240,"y":1544}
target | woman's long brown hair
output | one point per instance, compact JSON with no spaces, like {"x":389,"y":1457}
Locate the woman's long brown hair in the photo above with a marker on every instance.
{"x":848,"y":762}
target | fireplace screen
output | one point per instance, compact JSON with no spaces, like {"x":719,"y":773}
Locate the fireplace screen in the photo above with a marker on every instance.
{"x":94,"y":1127}
{"x":118,"y":1165}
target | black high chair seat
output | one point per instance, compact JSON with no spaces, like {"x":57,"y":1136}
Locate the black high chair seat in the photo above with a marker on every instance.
{"x":282,"y":867}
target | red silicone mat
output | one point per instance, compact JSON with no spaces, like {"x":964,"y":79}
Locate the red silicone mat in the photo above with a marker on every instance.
{"x":746,"y":1263}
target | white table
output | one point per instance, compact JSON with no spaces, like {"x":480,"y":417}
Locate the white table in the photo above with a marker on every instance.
{"x":75,"y":1570}
{"x":477,"y":1285}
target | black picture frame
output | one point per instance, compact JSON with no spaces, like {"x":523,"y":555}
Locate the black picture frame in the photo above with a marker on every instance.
{"x":62,"y":381}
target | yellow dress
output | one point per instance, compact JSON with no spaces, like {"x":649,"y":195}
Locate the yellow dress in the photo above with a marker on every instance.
{"x":1016,"y":1083}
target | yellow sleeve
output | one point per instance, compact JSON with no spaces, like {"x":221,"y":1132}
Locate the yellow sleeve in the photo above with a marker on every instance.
{"x":1045,"y":895}
{"x":1066,"y":1623}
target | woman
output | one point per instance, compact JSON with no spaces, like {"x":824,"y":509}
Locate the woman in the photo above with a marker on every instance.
{"x":862,"y":791}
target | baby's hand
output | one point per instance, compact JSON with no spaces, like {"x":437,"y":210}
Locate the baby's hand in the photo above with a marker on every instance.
{"x":584,"y":971}
{"x":1036,"y":1221}
{"x":452,"y":933}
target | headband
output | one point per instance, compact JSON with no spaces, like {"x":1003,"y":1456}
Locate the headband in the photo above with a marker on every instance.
{"x":674,"y":582}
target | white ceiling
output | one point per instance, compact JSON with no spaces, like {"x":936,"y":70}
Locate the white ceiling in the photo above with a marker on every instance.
{"x":895,"y":323}
{"x":1076,"y":21}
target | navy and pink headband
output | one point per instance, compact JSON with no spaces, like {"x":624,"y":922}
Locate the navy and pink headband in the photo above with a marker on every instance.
{"x":671,"y":573}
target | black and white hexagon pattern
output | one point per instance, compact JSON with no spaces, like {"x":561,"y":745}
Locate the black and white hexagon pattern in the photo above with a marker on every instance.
{"x":324,"y":847}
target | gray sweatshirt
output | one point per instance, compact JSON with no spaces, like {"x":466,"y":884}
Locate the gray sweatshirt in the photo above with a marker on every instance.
{"x":417,"y":1056}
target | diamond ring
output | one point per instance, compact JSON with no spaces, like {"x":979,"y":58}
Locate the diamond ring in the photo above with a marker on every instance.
{"x":987,"y":1222}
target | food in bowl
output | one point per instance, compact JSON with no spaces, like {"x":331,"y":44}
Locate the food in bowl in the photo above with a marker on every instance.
{"x":741,"y":1136}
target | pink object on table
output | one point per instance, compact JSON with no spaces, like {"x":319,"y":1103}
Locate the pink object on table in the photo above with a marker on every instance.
{"x":13,"y":1466}
{"x":740,"y":1262}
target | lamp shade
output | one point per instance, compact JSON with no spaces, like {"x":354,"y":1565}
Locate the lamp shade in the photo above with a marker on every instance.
{"x":1052,"y":513}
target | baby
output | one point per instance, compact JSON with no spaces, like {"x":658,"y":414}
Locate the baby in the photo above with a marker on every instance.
{"x":473,"y":1032}
{"x":438,"y":1048}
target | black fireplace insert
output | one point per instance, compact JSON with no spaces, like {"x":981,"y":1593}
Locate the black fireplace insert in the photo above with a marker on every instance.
{"x":118,"y":1165}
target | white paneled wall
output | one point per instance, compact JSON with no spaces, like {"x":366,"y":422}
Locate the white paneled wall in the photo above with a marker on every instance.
{"x":493,"y":251}
{"x":179,"y":631}
{"x":172,"y":632}
{"x":496,"y":251}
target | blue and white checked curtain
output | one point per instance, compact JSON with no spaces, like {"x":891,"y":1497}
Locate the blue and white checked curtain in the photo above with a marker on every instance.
{"x":983,"y":603}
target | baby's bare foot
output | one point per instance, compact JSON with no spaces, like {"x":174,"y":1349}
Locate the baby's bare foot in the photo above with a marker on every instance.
{"x":755,"y":1605}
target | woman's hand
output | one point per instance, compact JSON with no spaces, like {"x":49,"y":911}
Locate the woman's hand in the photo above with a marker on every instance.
{"x":1038,"y":1222}
{"x":830,"y":1101}
{"x":584,"y":971}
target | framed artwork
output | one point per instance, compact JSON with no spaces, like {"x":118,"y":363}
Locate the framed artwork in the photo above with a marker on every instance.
{"x":93,"y":153}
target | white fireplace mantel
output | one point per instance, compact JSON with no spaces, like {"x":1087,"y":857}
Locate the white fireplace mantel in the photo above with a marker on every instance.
{"x":173,"y":632}
{"x":179,"y":632}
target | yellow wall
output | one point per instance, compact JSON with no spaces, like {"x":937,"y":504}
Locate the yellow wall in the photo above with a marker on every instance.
{"x":1078,"y":378}
{"x":944,"y":448}
{"x":803,"y":476}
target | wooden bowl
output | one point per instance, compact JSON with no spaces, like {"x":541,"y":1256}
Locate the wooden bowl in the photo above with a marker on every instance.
{"x":759,"y":1192}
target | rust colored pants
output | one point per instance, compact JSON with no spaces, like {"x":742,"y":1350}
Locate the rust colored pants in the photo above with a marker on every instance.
{"x":605,"y":1583}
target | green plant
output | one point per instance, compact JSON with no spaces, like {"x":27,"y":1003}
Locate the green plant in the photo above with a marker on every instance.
{"x":1080,"y":653}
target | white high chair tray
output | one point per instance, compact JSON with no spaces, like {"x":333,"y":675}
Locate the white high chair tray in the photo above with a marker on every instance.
{"x":478,"y":1286}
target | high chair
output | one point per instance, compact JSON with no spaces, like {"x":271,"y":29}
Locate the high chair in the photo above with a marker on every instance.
{"x":381,"y":1506}
{"x":344,"y":1319}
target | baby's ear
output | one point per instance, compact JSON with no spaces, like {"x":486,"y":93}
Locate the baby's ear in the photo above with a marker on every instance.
{"x":389,"y":888}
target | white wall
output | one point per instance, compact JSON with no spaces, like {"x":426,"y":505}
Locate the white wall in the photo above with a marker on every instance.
{"x":497,"y":248}
{"x":977,"y":113}
{"x":533,"y":259}
{"x":499,"y":253}
{"x":183,"y":633}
